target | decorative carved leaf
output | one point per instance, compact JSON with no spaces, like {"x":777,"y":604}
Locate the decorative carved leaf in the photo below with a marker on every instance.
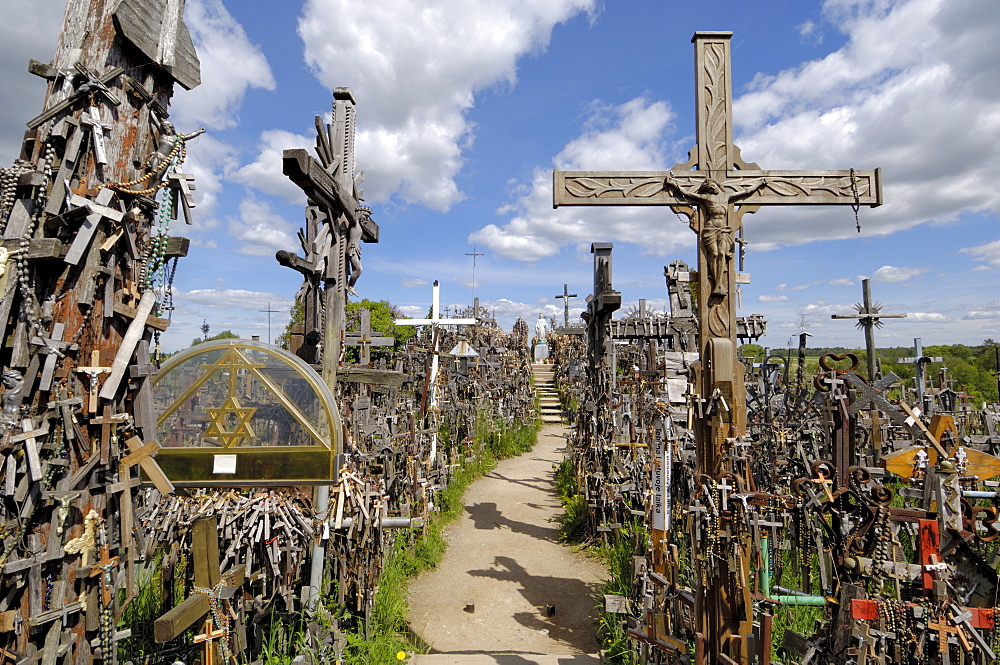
{"x":646,"y":188}
{"x":785,"y":188}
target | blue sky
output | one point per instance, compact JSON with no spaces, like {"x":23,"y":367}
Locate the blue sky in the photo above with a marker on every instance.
{"x":465,"y":106}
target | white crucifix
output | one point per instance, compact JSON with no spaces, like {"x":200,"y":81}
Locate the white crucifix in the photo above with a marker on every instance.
{"x":92,"y":119}
{"x":435,"y":321}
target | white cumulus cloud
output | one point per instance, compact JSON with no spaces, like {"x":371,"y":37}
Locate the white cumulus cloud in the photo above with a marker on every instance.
{"x":897,"y":274}
{"x":629,"y":135}
{"x":230,"y":65}
{"x":415,"y":69}
{"x":259,"y":231}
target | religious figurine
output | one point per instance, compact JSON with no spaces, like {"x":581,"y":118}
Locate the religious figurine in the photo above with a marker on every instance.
{"x":716,"y":236}
{"x":353,"y":256}
{"x":13,"y":383}
{"x":169,"y":142}
{"x":541,"y":327}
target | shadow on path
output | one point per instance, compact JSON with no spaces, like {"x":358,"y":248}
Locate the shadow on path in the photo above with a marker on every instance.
{"x":540,"y":591}
{"x":486,"y":516}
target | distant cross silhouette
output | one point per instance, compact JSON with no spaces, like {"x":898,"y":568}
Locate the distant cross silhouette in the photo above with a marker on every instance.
{"x":566,"y":295}
{"x":269,"y":313}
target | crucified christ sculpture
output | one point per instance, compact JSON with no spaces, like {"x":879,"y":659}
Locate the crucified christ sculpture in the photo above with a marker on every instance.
{"x":716,"y":234}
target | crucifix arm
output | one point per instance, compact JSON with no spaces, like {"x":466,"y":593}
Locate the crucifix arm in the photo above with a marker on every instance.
{"x":669,"y":181}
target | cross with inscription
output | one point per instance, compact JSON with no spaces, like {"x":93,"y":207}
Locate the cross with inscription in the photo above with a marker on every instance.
{"x":566,"y":295}
{"x":714,"y":189}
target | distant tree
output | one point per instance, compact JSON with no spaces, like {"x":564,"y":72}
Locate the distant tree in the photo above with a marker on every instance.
{"x":225,"y":334}
{"x":383,"y":315}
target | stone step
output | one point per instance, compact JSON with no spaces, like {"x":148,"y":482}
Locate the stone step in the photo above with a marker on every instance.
{"x":504,"y":659}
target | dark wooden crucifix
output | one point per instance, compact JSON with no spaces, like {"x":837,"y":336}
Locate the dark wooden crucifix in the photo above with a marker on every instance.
{"x":332,"y":186}
{"x":714,"y":189}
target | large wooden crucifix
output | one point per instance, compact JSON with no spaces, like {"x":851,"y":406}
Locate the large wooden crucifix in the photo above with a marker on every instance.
{"x":332,"y":186}
{"x":714,"y":189}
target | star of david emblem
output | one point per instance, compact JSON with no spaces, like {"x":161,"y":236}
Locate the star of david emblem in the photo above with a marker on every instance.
{"x":230,"y":423}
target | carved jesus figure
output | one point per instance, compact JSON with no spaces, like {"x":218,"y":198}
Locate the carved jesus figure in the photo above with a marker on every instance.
{"x":716,"y":236}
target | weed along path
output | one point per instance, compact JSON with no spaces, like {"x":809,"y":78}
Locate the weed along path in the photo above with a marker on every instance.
{"x":506,"y":585}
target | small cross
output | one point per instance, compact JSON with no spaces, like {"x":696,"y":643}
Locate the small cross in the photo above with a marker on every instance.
{"x":93,"y":371}
{"x":943,"y":629}
{"x":207,"y":638}
{"x":362,"y":339}
{"x":103,"y":568}
{"x":92,"y":119}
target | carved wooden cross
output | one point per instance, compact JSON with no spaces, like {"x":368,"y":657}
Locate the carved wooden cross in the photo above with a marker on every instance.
{"x":332,"y":185}
{"x":707,"y":190}
{"x":566,"y":295}
{"x":362,"y":338}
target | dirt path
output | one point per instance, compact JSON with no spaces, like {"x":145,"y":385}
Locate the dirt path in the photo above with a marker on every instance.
{"x":505,"y":557}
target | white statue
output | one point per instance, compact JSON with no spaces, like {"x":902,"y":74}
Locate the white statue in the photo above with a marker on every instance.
{"x":541,"y":327}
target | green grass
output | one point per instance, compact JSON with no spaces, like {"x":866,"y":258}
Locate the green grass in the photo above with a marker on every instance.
{"x":616,"y":553}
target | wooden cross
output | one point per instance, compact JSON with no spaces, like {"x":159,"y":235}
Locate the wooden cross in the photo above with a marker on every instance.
{"x":103,"y":569}
{"x":94,"y":370}
{"x":205,"y":559}
{"x":99,"y":209}
{"x":331,"y":184}
{"x":943,"y":628}
{"x":566,"y":295}
{"x":707,"y":190}
{"x":435,"y":321}
{"x":362,"y":338}
{"x":921,"y":361}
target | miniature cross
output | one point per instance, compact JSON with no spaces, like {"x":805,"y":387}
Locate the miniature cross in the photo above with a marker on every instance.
{"x":943,"y":629}
{"x":93,"y":371}
{"x":92,"y":119}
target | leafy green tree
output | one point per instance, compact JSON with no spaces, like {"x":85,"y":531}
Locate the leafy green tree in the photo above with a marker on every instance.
{"x":383,"y":316}
{"x":225,"y":334}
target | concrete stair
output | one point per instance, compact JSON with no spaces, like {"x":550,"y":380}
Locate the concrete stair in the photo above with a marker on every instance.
{"x":545,"y":391}
{"x":507,"y":658}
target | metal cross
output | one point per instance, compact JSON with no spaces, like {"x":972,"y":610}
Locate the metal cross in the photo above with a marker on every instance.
{"x":269,"y":313}
{"x":869,"y":317}
{"x":474,"y":254}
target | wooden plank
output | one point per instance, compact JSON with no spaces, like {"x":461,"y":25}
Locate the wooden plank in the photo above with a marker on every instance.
{"x":132,"y":336}
{"x":19,"y":219}
{"x":150,"y":467}
{"x":177,"y":620}
{"x":154,"y":322}
{"x":381,"y":377}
